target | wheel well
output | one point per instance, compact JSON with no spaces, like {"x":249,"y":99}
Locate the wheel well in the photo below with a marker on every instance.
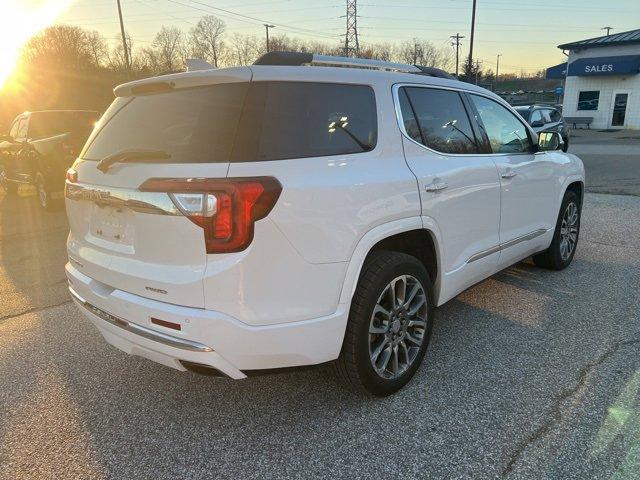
{"x":578,"y":189}
{"x":417,"y":243}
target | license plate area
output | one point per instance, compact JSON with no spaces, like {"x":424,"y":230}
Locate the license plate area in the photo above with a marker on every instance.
{"x":112,"y":227}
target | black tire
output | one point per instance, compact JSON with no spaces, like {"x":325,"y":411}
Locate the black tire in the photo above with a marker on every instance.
{"x":565,"y":147}
{"x":354,"y":365}
{"x":553,"y":257}
{"x":44,"y":194}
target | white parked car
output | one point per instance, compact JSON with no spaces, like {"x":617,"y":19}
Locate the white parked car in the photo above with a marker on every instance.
{"x":306,"y":209}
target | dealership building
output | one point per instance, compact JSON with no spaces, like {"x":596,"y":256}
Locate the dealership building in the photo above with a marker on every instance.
{"x":602,"y":80}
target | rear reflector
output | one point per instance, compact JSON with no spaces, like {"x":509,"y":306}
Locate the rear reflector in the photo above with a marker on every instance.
{"x":226,"y":209}
{"x":164,"y":323}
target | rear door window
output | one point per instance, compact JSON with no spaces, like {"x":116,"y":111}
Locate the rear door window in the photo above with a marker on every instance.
{"x":442,"y":120}
{"x":283,"y":120}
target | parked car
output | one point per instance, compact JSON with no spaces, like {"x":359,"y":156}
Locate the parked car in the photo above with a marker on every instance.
{"x":544,"y":118}
{"x":39,"y":149}
{"x":290,"y":213}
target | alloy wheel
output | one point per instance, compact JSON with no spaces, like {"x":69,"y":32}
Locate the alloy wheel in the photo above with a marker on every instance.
{"x":569,"y":231}
{"x":398,"y":326}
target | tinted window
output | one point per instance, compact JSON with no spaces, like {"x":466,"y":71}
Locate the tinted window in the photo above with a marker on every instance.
{"x":193,"y":125}
{"x":442,"y":119}
{"x":47,"y":124}
{"x":524,"y":112}
{"x":554,"y":116}
{"x":507,"y":134}
{"x":303,"y":119}
{"x":588,"y":100}
{"x":536,"y":116}
{"x":22,"y":129}
{"x":409,"y":118}
{"x":242,"y":122}
{"x":13,"y":133}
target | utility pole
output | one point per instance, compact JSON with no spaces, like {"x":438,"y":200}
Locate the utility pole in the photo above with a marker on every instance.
{"x":125,"y":47}
{"x":457,"y":38}
{"x":351,"y":43}
{"x":608,"y":29}
{"x":497,"y":71}
{"x":473,"y":29}
{"x":478,"y":63}
{"x":267,"y":27}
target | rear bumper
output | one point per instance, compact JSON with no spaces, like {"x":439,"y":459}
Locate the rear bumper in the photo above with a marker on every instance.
{"x":205,"y":337}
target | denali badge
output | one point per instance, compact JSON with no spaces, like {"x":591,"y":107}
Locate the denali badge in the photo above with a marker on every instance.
{"x":156,"y":290}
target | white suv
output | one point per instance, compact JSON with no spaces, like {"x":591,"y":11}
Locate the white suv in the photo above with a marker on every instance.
{"x":306,"y":209}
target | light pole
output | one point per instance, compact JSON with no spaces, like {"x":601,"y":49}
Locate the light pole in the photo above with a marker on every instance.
{"x":127,"y":61}
{"x":267,"y":27}
{"x":608,"y":29}
{"x":497,"y":71}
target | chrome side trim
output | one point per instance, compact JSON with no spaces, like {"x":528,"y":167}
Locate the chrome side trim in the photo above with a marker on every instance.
{"x":147,"y":333}
{"x":158,"y":203}
{"x":504,"y":246}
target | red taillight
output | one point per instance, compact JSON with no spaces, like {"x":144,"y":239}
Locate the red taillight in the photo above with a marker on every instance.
{"x":226,"y":209}
{"x":71,"y":175}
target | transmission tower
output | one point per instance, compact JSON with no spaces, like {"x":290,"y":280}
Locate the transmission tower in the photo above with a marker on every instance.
{"x":351,"y":44}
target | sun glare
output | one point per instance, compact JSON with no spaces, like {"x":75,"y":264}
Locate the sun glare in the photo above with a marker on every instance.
{"x":23,"y":19}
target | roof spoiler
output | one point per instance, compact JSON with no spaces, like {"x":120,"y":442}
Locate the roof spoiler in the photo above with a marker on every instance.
{"x":195,"y":64}
{"x":313,"y":59}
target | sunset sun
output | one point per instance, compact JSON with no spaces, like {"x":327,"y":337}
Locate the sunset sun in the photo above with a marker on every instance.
{"x":27,"y":19}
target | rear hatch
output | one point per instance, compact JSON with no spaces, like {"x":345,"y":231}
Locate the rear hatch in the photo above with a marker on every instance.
{"x":141,"y":241}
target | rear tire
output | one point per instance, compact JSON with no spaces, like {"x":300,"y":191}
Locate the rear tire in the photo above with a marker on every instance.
{"x":389,"y":324}
{"x":565,"y":238}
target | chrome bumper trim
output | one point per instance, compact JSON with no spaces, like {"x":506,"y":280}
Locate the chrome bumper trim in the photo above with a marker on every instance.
{"x":139,"y":330}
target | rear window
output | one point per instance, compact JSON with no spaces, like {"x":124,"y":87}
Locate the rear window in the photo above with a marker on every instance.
{"x":48,"y":124}
{"x":241,"y":122}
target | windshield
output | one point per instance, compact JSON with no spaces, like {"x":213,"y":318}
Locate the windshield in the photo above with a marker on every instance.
{"x":236,"y":122}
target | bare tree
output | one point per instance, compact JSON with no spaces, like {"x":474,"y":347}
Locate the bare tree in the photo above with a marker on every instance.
{"x":422,"y":52}
{"x":116,"y":55}
{"x":169,"y":48}
{"x":97,"y":47}
{"x":244,"y":49}
{"x":62,"y":45}
{"x":207,"y":37}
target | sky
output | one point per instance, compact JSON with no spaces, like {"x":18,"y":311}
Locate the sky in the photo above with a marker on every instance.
{"x":525,"y":33}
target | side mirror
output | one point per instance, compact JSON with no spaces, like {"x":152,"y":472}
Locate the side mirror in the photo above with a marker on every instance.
{"x":549,"y":141}
{"x":537,"y":123}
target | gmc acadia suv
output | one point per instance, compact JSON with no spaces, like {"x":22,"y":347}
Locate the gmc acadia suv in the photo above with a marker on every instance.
{"x":306,"y":209}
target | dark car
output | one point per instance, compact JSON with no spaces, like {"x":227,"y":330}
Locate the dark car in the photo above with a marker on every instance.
{"x":544,"y":118}
{"x":39,"y":149}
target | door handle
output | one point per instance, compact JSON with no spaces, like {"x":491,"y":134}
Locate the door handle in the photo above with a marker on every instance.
{"x":436,"y":186}
{"x":509,"y":174}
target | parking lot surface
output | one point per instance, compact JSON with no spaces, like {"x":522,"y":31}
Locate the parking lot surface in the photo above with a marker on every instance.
{"x":530,"y":374}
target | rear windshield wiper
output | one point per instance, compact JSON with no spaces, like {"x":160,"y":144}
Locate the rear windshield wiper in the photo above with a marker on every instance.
{"x":131,"y":155}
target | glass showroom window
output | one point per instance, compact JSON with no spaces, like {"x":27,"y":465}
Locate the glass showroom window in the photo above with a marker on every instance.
{"x":588,"y":100}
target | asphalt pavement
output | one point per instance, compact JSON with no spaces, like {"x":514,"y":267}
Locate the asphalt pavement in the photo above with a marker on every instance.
{"x":611,"y":159}
{"x":530,"y":374}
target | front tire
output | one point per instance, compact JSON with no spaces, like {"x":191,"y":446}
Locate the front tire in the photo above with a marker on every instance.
{"x":389,"y":324}
{"x":565,"y":238}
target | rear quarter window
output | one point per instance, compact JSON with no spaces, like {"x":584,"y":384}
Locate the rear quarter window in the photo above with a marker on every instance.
{"x":284,"y":120}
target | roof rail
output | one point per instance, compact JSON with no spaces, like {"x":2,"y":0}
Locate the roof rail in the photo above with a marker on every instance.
{"x":300,"y":58}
